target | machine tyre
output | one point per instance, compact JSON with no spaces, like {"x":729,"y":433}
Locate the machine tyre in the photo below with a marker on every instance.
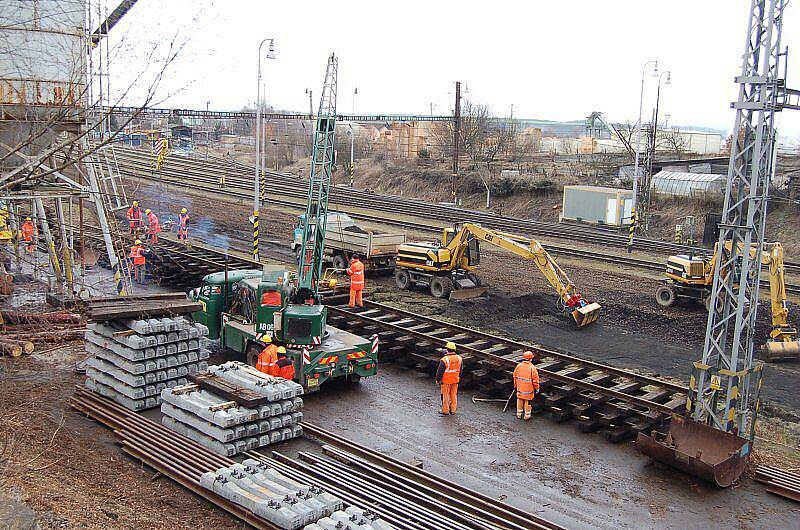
{"x":402,"y":278}
{"x":355,"y":379}
{"x":441,"y":287}
{"x":474,"y":278}
{"x":339,"y":262}
{"x":252,"y":354}
{"x":707,"y":303}
{"x":665,"y":296}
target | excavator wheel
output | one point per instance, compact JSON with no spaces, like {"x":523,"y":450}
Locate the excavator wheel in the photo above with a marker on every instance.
{"x":474,"y":278}
{"x":441,"y":287}
{"x":403,"y":279}
{"x":665,"y":296}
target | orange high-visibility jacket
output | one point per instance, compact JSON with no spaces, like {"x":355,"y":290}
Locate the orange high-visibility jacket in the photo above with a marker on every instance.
{"x":268,"y":360}
{"x":134,"y":214}
{"x":152,"y":220}
{"x":28,"y":230}
{"x":526,"y":380}
{"x":449,"y":371}
{"x":356,"y":273}
{"x":286,"y":368}
{"x":137,"y":254}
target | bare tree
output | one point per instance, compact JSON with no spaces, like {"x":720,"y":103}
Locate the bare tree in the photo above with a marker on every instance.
{"x":673,"y":141}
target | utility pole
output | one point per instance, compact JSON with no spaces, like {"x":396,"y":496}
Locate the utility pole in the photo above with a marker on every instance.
{"x":352,"y":168}
{"x":456,"y":139}
{"x":724,"y":385}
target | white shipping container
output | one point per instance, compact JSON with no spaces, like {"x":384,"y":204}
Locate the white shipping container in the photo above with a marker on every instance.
{"x":597,"y":205}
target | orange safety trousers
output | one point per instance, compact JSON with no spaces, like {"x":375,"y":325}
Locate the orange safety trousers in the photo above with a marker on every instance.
{"x":355,"y":298}
{"x":524,"y":408}
{"x":449,"y":397}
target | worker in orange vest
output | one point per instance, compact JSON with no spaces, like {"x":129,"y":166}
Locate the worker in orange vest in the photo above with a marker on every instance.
{"x":526,"y":381}
{"x":268,"y":358}
{"x":356,"y":273}
{"x":134,"y":216}
{"x":153,"y":228}
{"x":139,"y":261}
{"x":285,"y":368}
{"x":183,"y":225}
{"x":448,"y":374}
{"x":29,"y":233}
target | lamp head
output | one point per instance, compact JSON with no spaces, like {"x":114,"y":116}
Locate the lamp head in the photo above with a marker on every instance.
{"x":669,"y":79}
{"x":271,"y":51}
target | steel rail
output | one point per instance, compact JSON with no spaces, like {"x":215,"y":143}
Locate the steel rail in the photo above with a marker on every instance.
{"x":509,"y":364}
{"x":421,"y":476}
{"x":419,"y":209}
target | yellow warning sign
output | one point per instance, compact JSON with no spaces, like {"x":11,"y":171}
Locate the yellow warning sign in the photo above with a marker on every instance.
{"x":716,"y":384}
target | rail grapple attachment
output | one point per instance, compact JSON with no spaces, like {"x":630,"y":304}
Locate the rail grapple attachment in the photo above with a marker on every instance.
{"x":697,"y":449}
{"x":587,"y":314}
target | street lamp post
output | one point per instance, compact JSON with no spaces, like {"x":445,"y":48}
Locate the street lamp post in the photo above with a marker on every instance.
{"x":639,"y":131}
{"x":352,"y":142}
{"x":257,"y":184}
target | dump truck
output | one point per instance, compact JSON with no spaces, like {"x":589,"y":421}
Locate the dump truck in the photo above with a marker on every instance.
{"x":241,"y":307}
{"x":344,"y":239}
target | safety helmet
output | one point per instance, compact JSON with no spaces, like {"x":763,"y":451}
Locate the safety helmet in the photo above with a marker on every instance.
{"x":136,"y":203}
{"x":528,"y":355}
{"x":148,"y":210}
{"x":281,"y":349}
{"x":184,"y":210}
{"x":332,"y":283}
{"x":27,"y":218}
{"x":450,"y":346}
{"x":267,"y":339}
{"x":137,"y":242}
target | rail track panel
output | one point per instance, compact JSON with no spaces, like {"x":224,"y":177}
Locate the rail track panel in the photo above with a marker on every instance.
{"x":615,"y":402}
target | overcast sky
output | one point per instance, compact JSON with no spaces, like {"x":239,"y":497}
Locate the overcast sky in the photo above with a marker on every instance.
{"x":556,"y":60}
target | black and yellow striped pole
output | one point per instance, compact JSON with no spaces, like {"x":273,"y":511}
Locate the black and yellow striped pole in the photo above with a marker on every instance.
{"x":263,"y":186}
{"x":632,"y":230}
{"x":255,"y":235}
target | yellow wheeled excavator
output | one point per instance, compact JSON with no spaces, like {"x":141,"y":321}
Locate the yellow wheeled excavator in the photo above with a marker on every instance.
{"x":690,"y":277}
{"x":447,"y":267}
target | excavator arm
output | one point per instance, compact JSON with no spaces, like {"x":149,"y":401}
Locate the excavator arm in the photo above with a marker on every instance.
{"x":783,"y":335}
{"x":570,"y":300}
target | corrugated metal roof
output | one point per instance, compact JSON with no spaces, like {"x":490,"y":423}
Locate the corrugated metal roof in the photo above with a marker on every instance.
{"x":689,"y":177}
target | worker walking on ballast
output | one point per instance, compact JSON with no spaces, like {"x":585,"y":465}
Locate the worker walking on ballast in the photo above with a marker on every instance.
{"x":448,"y":375}
{"x":29,"y":235}
{"x":526,"y":382}
{"x":183,"y":225}
{"x":356,"y":273}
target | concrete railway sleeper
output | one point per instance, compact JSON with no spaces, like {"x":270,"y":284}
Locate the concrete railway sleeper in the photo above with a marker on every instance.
{"x":617,"y":402}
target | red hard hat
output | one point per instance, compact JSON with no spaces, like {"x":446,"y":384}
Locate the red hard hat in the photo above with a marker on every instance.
{"x":528,"y":355}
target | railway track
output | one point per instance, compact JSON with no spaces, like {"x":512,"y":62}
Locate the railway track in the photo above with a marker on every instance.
{"x":136,"y":166}
{"x":617,"y":402}
{"x":241,"y":176}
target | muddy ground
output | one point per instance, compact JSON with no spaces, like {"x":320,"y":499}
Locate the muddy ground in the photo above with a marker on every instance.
{"x":633,"y":331}
{"x":68,"y":471}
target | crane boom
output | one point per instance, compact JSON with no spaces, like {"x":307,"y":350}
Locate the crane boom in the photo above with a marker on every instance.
{"x":313,"y":246}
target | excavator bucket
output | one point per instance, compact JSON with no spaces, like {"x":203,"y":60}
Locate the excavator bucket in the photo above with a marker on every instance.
{"x":587,"y":314}
{"x":697,"y":449}
{"x":782,"y":350}
{"x":467,"y":293}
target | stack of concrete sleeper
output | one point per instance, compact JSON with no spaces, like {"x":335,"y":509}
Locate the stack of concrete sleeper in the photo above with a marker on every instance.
{"x":224,"y":425}
{"x":285,"y":502}
{"x":132,"y":361}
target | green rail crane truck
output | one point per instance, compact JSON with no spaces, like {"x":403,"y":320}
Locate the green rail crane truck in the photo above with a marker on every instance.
{"x":242,"y":307}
